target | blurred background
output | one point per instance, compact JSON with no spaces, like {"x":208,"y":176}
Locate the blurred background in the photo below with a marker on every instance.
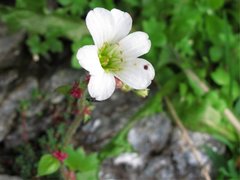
{"x":188,"y":126}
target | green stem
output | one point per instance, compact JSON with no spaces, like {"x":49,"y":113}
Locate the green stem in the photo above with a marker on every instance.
{"x":73,"y":128}
{"x":76,"y":122}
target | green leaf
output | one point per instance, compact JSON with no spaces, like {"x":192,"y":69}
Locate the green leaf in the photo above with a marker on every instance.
{"x":216,"y":29}
{"x":89,"y":175}
{"x":155,"y":30}
{"x":38,"y":23}
{"x":36,"y":45}
{"x":237,"y":107}
{"x":108,"y":4}
{"x":78,"y":7}
{"x":195,"y":86}
{"x":64,"y":2}
{"x":64,"y":89}
{"x":220,"y":77}
{"x":74,"y":159}
{"x":198,"y":115}
{"x":202,"y":116}
{"x":78,"y":160}
{"x":231,"y":91}
{"x":32,"y":5}
{"x":183,"y":88}
{"x":216,"y":53}
{"x":117,"y":145}
{"x":133,"y":3}
{"x":217,"y":102}
{"x":48,"y":165}
{"x":54,"y":44}
{"x":224,"y":141}
{"x":215,"y":4}
{"x":183,"y":23}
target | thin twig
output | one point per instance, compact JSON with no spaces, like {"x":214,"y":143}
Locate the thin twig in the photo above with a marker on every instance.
{"x":187,"y":138}
{"x":227,"y":112}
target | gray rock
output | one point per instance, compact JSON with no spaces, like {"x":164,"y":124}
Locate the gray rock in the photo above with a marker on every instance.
{"x":152,"y":168}
{"x":186,"y":163}
{"x":131,"y":159}
{"x":150,"y":134}
{"x":159,"y":168}
{"x":108,"y":118}
{"x":10,"y":47}
{"x":7,"y":177}
{"x":111,"y":172}
{"x":35,"y":121}
{"x":147,"y":136}
{"x":3,"y":29}
{"x":34,"y":124}
{"x":172,"y":159}
{"x":6,"y":78}
{"x":60,"y":78}
{"x":8,"y":107}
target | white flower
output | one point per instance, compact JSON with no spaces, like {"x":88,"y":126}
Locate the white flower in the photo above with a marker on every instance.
{"x":115,"y":53}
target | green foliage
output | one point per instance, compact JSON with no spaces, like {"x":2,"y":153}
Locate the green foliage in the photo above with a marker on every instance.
{"x":47,"y":165}
{"x":31,"y":5}
{"x":215,"y":53}
{"x":89,"y":175}
{"x":207,"y":114}
{"x":86,"y":165}
{"x":117,"y":145}
{"x":226,"y":165}
{"x":230,"y":171}
{"x":26,"y":154}
{"x":44,"y":27}
{"x":152,"y":26}
{"x":75,"y":8}
{"x":220,"y":77}
{"x":65,"y":89}
{"x":202,"y":36}
{"x":237,"y":106}
{"x":53,"y":138}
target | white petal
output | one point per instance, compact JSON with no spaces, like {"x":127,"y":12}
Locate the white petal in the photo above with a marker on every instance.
{"x":100,"y":23}
{"x":136,"y":73}
{"x":101,"y":86}
{"x":88,"y":58}
{"x":135,"y":44}
{"x":122,"y":24}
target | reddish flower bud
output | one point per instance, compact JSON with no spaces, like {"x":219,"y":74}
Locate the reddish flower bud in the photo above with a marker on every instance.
{"x":86,"y":111}
{"x":76,"y":91}
{"x":119,"y":83}
{"x":61,"y":156}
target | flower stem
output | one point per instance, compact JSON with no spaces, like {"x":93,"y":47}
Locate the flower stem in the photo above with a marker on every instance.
{"x":73,"y":128}
{"x":76,"y":122}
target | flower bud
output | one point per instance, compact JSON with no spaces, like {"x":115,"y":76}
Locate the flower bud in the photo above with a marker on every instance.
{"x":142,"y":93}
{"x":61,"y":156}
{"x":76,"y":91}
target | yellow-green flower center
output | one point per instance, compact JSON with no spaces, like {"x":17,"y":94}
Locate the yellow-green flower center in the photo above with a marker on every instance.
{"x":110,"y":57}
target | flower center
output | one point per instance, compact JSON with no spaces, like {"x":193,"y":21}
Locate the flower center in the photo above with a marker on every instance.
{"x":110,"y":57}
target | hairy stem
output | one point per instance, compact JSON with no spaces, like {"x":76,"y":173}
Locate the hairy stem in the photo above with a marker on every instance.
{"x":76,"y":122}
{"x":73,"y":128}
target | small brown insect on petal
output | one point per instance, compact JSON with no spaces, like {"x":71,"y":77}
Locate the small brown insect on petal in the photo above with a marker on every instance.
{"x":145,"y":67}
